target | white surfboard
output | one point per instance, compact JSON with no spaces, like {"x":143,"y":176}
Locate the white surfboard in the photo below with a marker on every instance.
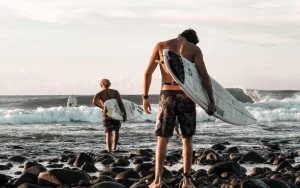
{"x":186,"y":75}
{"x":113,"y":110}
{"x":72,"y":101}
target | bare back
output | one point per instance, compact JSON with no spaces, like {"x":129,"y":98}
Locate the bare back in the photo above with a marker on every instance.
{"x":180,"y":46}
{"x":107,"y":94}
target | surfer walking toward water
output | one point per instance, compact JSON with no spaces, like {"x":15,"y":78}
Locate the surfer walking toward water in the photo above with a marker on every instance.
{"x":175,"y":103}
{"x":109,"y":124}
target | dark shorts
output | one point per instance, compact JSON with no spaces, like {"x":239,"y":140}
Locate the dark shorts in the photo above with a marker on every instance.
{"x":175,"y":103}
{"x":110,"y":124}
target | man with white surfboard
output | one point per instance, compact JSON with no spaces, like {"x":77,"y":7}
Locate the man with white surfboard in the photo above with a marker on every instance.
{"x":110,"y":124}
{"x":175,"y":103}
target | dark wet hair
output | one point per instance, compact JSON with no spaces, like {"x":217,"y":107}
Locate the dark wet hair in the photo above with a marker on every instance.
{"x":190,"y":35}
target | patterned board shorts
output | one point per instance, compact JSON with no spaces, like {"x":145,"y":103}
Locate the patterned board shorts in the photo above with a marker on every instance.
{"x":175,"y":103}
{"x":110,"y":124}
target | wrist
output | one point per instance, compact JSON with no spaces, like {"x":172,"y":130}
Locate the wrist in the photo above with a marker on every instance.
{"x":145,"y":96}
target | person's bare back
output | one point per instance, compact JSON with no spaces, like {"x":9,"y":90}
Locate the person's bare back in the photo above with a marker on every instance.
{"x":107,"y":94}
{"x":179,"y":45}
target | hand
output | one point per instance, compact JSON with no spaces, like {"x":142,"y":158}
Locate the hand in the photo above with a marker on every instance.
{"x":147,"y":106}
{"x":211,"y":108}
{"x":124,"y":117}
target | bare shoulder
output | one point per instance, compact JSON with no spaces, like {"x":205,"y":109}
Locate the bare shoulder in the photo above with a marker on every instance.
{"x":197,"y":50}
{"x":100,"y":93}
{"x":159,"y":46}
{"x":115,"y":92}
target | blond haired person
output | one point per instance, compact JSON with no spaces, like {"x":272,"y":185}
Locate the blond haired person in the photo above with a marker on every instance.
{"x":109,"y":124}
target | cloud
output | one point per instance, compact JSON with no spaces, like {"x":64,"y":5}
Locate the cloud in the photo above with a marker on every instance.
{"x":66,"y":11}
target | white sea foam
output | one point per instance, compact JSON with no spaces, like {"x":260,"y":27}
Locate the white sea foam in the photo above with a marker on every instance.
{"x":271,"y":111}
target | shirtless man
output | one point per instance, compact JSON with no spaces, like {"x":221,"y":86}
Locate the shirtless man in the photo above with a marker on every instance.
{"x":109,"y":124}
{"x":175,"y":103}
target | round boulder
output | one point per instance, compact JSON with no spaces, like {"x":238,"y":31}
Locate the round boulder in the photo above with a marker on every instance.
{"x":88,"y":167}
{"x":142,"y":152}
{"x":82,"y":158}
{"x":128,"y":174}
{"x":19,"y":159}
{"x":228,"y":166}
{"x":58,"y":177}
{"x":253,"y":156}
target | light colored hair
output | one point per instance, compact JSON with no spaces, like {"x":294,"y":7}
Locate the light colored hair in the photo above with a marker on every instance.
{"x":105,"y":82}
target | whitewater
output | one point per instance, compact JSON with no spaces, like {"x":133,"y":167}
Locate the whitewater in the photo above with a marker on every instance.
{"x":265,"y":106}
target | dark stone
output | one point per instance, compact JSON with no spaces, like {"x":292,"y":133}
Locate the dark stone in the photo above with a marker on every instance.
{"x":108,"y":173}
{"x":253,"y":156}
{"x":107,"y":161}
{"x":122,"y":162}
{"x":29,"y":185}
{"x":3,"y":179}
{"x":257,"y":171}
{"x":278,"y":160}
{"x":220,"y":147}
{"x":56,"y":177}
{"x":228,"y":166}
{"x":84,"y":183}
{"x":63,"y":158}
{"x":271,"y":146}
{"x":284,"y":165}
{"x":142,"y":152}
{"x":147,"y":159}
{"x":235,"y":157}
{"x":82,"y":158}
{"x":138,"y":161}
{"x":18,"y":173}
{"x":275,"y":183}
{"x":167,"y":174}
{"x":128,"y":174}
{"x":117,"y":169}
{"x":17,"y":147}
{"x":4,"y":167}
{"x":55,"y":160}
{"x":145,"y":173}
{"x":108,"y":184}
{"x":232,"y":150}
{"x":26,"y":178}
{"x":139,"y":184}
{"x":19,"y":159}
{"x":172,"y":158}
{"x":218,"y":181}
{"x":200,"y":173}
{"x":36,"y":170}
{"x":102,"y":178}
{"x":55,"y":165}
{"x":227,"y":175}
{"x":88,"y":167}
{"x":144,"y":166}
{"x":71,"y":161}
{"x":29,"y":164}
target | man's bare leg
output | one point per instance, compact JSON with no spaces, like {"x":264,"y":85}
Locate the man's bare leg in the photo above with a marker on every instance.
{"x":116,"y":139}
{"x":161,"y":152}
{"x":187,"y":153}
{"x":108,"y":141}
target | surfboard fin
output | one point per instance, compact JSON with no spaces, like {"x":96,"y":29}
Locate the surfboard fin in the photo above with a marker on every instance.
{"x":159,"y":62}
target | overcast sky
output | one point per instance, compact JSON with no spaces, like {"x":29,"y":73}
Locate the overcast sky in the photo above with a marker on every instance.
{"x":67,"y":46}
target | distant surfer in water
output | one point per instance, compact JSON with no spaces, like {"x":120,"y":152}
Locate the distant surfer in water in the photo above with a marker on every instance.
{"x":109,"y":124}
{"x":175,"y":103}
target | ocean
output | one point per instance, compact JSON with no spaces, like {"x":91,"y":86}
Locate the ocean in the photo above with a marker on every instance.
{"x":44,"y":127}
